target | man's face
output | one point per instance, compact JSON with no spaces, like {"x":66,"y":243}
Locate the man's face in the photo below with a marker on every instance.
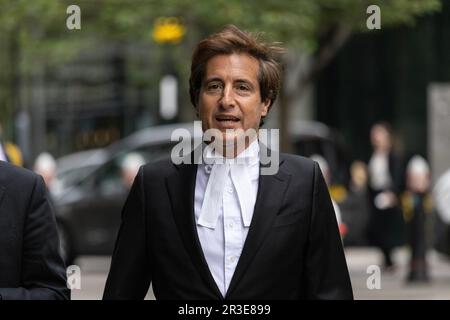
{"x":230,"y":95}
{"x":380,"y":138}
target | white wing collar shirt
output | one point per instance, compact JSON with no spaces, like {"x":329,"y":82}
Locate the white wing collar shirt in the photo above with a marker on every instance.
{"x":225,"y":196}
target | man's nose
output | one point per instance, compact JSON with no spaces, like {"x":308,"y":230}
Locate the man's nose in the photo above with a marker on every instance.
{"x":227,"y":100}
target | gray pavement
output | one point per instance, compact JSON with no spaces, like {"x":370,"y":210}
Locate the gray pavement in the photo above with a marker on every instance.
{"x":392,"y":285}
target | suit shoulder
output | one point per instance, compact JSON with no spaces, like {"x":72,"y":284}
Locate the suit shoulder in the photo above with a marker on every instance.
{"x":296,"y":162}
{"x":159,"y":168}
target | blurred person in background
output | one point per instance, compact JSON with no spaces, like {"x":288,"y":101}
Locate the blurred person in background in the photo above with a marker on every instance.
{"x":10,"y":152}
{"x":386,"y":181}
{"x":45,"y":165}
{"x":441,"y":197}
{"x":30,"y":263}
{"x":130,"y":167}
{"x":417,"y":210}
{"x":324,"y":167}
{"x":356,"y":205}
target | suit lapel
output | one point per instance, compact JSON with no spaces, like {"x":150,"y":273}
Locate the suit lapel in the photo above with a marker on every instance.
{"x":268,"y":201}
{"x":181,"y":187}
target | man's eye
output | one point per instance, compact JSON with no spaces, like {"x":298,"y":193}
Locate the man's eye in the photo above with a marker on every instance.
{"x":243,"y":87}
{"x":214,"y":86}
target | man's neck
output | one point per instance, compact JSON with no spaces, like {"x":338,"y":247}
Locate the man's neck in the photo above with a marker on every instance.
{"x":234,"y":149}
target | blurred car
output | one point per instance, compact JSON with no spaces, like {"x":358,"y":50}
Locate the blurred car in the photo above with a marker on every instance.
{"x":89,"y":192}
{"x":312,"y":137}
{"x":75,"y":166}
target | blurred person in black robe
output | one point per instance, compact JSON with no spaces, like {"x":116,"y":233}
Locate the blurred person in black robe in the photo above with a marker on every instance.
{"x":417,"y":207}
{"x":386,"y":182}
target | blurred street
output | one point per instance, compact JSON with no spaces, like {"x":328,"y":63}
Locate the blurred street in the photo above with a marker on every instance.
{"x":393,"y":287}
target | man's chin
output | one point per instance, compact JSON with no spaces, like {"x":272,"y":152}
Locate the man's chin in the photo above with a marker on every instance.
{"x":236,"y":136}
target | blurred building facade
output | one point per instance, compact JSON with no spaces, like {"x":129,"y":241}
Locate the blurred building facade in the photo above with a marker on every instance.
{"x":107,"y":92}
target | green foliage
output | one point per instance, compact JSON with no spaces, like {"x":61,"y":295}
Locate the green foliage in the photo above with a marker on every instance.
{"x":37,"y":29}
{"x":40,"y":24}
{"x":294,"y":22}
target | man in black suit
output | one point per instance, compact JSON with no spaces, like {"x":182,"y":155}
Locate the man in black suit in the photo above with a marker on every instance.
{"x":221,"y":229}
{"x":30,"y":264}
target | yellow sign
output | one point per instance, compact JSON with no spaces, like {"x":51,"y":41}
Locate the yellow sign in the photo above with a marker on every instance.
{"x":168,"y":30}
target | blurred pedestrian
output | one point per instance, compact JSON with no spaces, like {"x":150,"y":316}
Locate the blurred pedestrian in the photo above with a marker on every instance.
{"x":386,"y":181}
{"x":45,"y":165}
{"x":417,"y":210}
{"x":30,"y":263}
{"x":324,"y":167}
{"x":441,"y":223}
{"x":356,"y":206}
{"x":130,"y":167}
{"x":442,"y":196}
{"x":10,"y":152}
{"x":222,"y":229}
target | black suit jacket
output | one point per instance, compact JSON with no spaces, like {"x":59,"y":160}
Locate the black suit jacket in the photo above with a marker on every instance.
{"x":30,"y":264}
{"x":293,"y":249}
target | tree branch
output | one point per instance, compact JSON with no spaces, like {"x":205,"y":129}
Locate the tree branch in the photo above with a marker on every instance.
{"x":326,"y":53}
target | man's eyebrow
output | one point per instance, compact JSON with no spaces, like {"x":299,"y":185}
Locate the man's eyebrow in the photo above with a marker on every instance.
{"x":243,"y":80}
{"x":239,"y":80}
{"x":213,"y":79}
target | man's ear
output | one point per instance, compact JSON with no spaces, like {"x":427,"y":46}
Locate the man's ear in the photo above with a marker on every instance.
{"x":265,"y":108}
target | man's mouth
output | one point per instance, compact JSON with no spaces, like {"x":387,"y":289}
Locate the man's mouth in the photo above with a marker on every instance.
{"x":227,"y":119}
